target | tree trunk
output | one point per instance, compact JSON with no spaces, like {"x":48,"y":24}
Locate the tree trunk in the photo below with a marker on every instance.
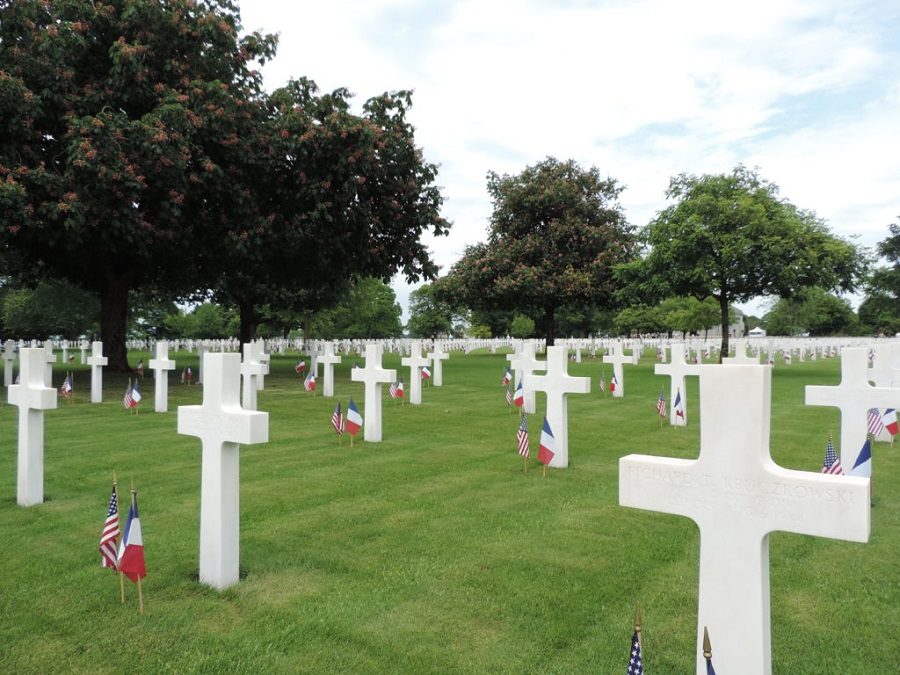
{"x":723,"y":306}
{"x":550,"y":324}
{"x":114,"y":321}
{"x":249,"y":321}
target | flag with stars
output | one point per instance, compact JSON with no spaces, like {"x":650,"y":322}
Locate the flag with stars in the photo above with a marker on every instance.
{"x":635,"y":660}
{"x":508,"y":396}
{"x":873,"y":421}
{"x":661,"y":405}
{"x":831,"y":464}
{"x":522,"y":437}
{"x":110,"y":535}
{"x":337,"y":419}
{"x":66,"y":387}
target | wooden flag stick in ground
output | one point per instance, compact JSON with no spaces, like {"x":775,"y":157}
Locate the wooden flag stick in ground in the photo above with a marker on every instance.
{"x":121,"y":576}
{"x":140,"y":588}
{"x":544,"y":472}
{"x":638,"y":629}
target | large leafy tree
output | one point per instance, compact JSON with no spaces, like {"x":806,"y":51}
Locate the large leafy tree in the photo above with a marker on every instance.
{"x":336,"y":195}
{"x":557,"y":231}
{"x":731,"y":237}
{"x":117,"y":121}
{"x":880,"y":310}
{"x":369,"y":309}
{"x":429,"y":316}
{"x":811,"y":311}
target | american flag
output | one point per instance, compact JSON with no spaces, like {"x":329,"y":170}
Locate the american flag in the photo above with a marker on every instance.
{"x":110,"y":532}
{"x":127,"y":400}
{"x":831,"y":463}
{"x":66,"y":387}
{"x":522,"y":437}
{"x":508,"y":396}
{"x":392,"y":390}
{"x":661,"y":405}
{"x":337,"y":419}
{"x":635,"y":660}
{"x":602,"y":382}
{"x":873,"y":421}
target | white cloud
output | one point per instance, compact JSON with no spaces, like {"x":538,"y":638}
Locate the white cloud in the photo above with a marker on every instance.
{"x":806,"y":89}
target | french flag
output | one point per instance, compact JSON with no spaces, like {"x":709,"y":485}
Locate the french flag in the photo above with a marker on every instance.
{"x":890,"y":421}
{"x":863,"y":464}
{"x":519,"y":396}
{"x":131,"y":548}
{"x":353,"y":422}
{"x":547,"y":451}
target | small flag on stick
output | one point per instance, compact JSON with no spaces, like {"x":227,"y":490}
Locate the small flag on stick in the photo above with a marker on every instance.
{"x":707,"y":653}
{"x":337,"y":420}
{"x":522,"y":440}
{"x":354,"y":421}
{"x":661,"y":407}
{"x":547,"y":450}
{"x":131,"y":550}
{"x":635,"y":658}
{"x":831,"y":464}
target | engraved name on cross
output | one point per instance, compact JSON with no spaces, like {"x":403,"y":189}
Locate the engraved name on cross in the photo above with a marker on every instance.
{"x":221,"y":424}
{"x":32,"y":397}
{"x":558,"y":384}
{"x":737,"y":495}
{"x":373,"y":376}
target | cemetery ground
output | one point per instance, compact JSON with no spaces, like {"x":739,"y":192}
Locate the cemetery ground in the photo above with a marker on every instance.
{"x":431,"y":551}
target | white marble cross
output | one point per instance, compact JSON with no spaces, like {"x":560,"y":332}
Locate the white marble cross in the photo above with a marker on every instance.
{"x":373,"y":376}
{"x":740,"y":355}
{"x":251,"y":370}
{"x":617,"y":358}
{"x":33,"y":397}
{"x":853,"y":396}
{"x":883,"y":372}
{"x":415,"y":361}
{"x":221,"y":424}
{"x":525,"y":364}
{"x":9,"y":358}
{"x":96,"y":361}
{"x":737,"y":495}
{"x":677,"y":369}
{"x":265,"y":359}
{"x":83,"y":348}
{"x":161,"y":365}
{"x":328,"y":359}
{"x":558,"y":384}
{"x":49,"y":360}
{"x":438,"y":356}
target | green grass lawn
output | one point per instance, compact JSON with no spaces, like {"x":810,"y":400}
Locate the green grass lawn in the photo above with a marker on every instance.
{"x":429,"y":552}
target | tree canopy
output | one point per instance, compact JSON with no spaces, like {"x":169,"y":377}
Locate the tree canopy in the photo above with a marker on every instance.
{"x":730,"y":237}
{"x":880,"y":310}
{"x":139,"y":151}
{"x":812,"y":311}
{"x":369,"y":309}
{"x":429,"y":316}
{"x":557,"y":232}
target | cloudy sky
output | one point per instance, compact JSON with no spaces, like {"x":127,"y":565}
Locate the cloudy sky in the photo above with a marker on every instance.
{"x":806,"y":90}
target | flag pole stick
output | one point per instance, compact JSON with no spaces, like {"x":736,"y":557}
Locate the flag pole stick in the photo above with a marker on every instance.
{"x":351,"y":440}
{"x":525,"y":461}
{"x":121,"y":576}
{"x":544,"y":472}
{"x":140,"y":590}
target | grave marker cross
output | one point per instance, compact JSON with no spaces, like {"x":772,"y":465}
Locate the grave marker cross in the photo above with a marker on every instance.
{"x":221,"y":424}
{"x":557,"y":384}
{"x":328,"y":359}
{"x":524,"y":364}
{"x":617,"y":358}
{"x":737,"y":495}
{"x":373,"y":376}
{"x":853,"y":396}
{"x":32,"y":397}
{"x":416,"y":362}
{"x":677,"y":368}
{"x":438,"y":356}
{"x":160,"y":367}
{"x":96,"y":361}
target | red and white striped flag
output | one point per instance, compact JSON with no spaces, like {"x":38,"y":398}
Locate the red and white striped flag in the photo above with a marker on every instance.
{"x":873,"y":421}
{"x":110,"y":536}
{"x":522,"y":437}
{"x":337,"y":419}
